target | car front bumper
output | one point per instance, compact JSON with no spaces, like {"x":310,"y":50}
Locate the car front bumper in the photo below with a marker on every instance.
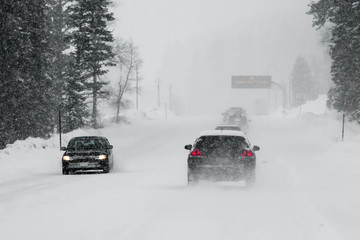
{"x":85,"y":165}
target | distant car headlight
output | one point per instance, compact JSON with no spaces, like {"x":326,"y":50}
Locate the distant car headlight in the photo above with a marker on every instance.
{"x":66,"y":158}
{"x":101,"y":157}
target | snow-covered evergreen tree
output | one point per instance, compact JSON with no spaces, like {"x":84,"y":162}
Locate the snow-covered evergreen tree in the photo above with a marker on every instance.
{"x":26,"y":96}
{"x":59,"y":42}
{"x":39,"y":97}
{"x":343,"y":17}
{"x":92,"y":39}
{"x":302,"y":85}
{"x":10,"y":43}
{"x":66,"y":72}
{"x":74,"y":110}
{"x":40,"y":72}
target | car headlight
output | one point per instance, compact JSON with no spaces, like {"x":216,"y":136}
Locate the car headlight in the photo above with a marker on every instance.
{"x":66,"y":158}
{"x":101,"y":157}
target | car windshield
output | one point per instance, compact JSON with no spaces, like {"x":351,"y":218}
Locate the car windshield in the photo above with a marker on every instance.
{"x":221,"y":142}
{"x":80,"y":144}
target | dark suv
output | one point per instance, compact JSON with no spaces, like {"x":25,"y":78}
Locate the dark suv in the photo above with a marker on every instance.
{"x":236,"y":116}
{"x":88,"y":153}
{"x":222,"y":155}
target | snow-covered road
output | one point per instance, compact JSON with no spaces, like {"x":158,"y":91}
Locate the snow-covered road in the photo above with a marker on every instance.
{"x":146,"y":195}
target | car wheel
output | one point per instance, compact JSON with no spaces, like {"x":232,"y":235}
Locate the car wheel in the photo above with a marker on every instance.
{"x":192,"y":177}
{"x":106,"y":169}
{"x":65,"y":171}
{"x":250,"y":178}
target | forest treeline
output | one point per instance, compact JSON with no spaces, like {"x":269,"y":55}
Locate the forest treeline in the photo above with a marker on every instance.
{"x":53,"y":58}
{"x":340,"y":22}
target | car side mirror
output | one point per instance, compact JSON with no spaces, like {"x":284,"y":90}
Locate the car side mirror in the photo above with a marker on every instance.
{"x":63,"y":148}
{"x":110,"y":147}
{"x":256,"y":148}
{"x":188,"y":147}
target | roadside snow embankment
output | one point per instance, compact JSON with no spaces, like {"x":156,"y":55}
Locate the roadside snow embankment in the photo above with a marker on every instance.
{"x":323,"y":166}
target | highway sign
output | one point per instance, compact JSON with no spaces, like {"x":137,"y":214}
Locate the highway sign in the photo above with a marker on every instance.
{"x":244,"y":81}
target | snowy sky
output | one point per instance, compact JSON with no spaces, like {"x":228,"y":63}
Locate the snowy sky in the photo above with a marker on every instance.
{"x":196,"y":46}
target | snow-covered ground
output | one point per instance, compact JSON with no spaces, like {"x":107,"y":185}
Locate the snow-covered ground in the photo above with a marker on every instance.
{"x":307,"y":184}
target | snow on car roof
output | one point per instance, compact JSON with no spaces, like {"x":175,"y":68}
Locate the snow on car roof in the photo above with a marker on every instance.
{"x":222,"y":133}
{"x":226,"y":125}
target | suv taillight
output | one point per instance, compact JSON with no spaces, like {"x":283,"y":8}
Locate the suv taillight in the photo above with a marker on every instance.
{"x":247,"y":153}
{"x":196,"y":152}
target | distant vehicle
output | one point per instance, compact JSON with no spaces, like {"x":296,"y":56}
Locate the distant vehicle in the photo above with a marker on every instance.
{"x":228,"y":127}
{"x":87,"y":153}
{"x":236,"y":116}
{"x":222,"y":155}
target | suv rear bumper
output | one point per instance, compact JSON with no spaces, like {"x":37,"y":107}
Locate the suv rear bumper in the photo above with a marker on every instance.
{"x":231,"y":172}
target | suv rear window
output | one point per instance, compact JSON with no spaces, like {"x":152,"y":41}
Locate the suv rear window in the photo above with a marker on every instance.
{"x":221,"y":142}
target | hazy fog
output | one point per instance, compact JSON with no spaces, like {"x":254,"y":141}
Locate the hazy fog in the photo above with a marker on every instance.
{"x":197,"y":45}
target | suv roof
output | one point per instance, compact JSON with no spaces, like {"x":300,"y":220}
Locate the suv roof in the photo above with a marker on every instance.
{"x":222,"y":133}
{"x":227,"y":125}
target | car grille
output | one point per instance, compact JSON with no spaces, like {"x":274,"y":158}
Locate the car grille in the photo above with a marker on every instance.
{"x":84,"y":164}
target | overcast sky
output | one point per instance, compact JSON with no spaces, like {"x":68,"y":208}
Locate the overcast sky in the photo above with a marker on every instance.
{"x":197,"y":45}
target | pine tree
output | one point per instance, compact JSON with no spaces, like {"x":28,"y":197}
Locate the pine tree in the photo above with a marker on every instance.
{"x":59,"y":42}
{"x":39,"y":97}
{"x":92,"y":40}
{"x":344,"y":18}
{"x":302,"y":85}
{"x":65,"y":71}
{"x":74,"y":108}
{"x":26,"y":98}
{"x":10,"y":42}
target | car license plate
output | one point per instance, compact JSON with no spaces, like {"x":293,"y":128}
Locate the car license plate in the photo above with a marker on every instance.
{"x":222,"y":160}
{"x":84,"y":164}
